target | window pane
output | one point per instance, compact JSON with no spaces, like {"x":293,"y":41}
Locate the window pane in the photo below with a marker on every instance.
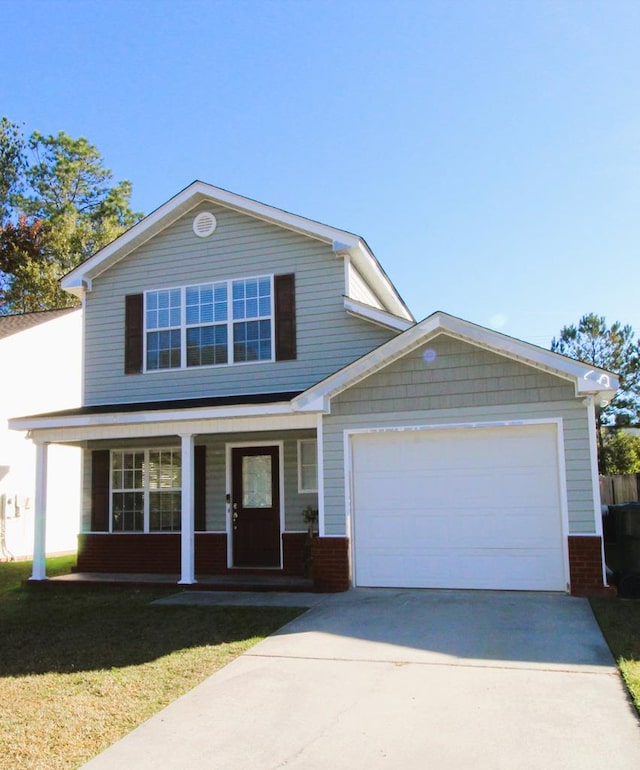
{"x":206,"y":303}
{"x":256,"y":481}
{"x":207,"y":345}
{"x":164,"y":511}
{"x":308,"y":465}
{"x":252,"y":341}
{"x":265,"y":306}
{"x":126,"y":470}
{"x":163,"y":349}
{"x":162,"y":309}
{"x":164,"y":470}
{"x":238,"y":308}
{"x":251,"y":298}
{"x":127,"y":511}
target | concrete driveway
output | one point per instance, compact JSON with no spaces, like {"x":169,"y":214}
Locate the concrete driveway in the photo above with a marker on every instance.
{"x":403,"y":679}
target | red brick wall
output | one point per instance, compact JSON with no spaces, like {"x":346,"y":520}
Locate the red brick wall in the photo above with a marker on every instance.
{"x":330,"y":559}
{"x":160,"y":553}
{"x":585,"y":565}
{"x":211,"y":553}
{"x":293,"y":553}
{"x":153,"y":553}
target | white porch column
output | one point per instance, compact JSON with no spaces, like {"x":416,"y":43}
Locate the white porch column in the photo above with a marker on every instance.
{"x":39,"y":569}
{"x":187,"y":549}
{"x":320,"y":464}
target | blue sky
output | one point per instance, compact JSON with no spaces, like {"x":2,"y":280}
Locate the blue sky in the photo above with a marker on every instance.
{"x":488,"y":151}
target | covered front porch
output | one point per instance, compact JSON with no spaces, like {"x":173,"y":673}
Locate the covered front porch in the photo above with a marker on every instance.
{"x":205,"y":494}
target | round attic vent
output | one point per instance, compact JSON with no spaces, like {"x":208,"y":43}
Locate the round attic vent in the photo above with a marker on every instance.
{"x":204,"y":224}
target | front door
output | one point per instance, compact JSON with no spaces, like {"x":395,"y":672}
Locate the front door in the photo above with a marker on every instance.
{"x":255,"y":506}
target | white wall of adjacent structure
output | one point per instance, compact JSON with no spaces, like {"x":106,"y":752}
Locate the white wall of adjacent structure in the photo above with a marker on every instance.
{"x":40,"y":372}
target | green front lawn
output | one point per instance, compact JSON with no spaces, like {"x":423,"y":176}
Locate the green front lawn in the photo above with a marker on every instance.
{"x":81,"y":667}
{"x":619,"y":620}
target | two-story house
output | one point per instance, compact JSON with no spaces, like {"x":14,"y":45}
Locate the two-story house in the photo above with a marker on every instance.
{"x":243,"y":364}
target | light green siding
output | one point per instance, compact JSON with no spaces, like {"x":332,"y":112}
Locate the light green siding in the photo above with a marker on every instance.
{"x":462,"y":384}
{"x":242,"y":246}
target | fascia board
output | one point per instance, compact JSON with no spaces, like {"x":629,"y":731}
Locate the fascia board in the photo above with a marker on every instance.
{"x":585,"y":379}
{"x":149,"y":417}
{"x":375,"y":315}
{"x":181,"y":204}
{"x":134,"y":237}
{"x":231,"y":425}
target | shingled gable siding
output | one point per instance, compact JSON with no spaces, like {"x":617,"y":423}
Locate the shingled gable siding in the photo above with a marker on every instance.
{"x":327,"y":338}
{"x":464,"y":383}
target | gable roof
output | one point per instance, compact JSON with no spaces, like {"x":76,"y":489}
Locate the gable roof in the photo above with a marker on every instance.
{"x":19,"y":322}
{"x":344,"y":243}
{"x":586,"y":379}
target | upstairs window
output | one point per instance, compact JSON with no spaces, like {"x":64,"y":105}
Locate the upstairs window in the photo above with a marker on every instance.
{"x":226,"y":322}
{"x":163,"y":318}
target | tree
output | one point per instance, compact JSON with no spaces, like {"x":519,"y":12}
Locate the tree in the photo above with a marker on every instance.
{"x":621,"y":453}
{"x":29,"y":279}
{"x":58,"y":207}
{"x":12,"y":164}
{"x":614,"y":349}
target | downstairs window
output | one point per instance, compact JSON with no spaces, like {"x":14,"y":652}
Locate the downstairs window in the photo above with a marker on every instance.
{"x":146,"y":490}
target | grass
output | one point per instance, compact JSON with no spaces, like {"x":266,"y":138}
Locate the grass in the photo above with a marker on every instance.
{"x":619,"y":620}
{"x":81,"y":667}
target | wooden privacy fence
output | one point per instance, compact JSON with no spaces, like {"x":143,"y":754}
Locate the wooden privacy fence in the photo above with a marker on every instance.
{"x":619,"y":489}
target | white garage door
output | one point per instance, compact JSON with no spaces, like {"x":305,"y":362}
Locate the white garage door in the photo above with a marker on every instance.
{"x":458,"y":508}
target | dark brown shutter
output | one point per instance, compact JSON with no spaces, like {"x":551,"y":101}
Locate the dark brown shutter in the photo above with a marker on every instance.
{"x":285,"y":306}
{"x":100,"y":490}
{"x":133,"y":334}
{"x":200,"y":488}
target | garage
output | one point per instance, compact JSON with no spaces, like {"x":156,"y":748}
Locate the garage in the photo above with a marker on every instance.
{"x":468,"y":507}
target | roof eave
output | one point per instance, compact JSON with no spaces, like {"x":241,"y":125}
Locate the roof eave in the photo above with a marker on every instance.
{"x":587,"y":380}
{"x":182,"y":203}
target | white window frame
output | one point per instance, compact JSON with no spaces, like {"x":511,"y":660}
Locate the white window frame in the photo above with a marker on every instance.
{"x":230,"y":323}
{"x":146,"y":490}
{"x":301,"y":488}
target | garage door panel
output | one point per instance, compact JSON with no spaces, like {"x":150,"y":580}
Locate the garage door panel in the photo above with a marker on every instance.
{"x":466,"y":486}
{"x":518,"y":569}
{"x":458,"y":508}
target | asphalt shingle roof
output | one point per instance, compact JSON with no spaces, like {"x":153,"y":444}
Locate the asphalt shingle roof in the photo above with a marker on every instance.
{"x":12,"y":324}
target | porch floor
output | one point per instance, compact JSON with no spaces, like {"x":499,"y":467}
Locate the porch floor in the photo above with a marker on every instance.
{"x":228,"y":582}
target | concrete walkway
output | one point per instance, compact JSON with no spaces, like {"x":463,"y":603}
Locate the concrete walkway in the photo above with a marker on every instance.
{"x":402,"y":679}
